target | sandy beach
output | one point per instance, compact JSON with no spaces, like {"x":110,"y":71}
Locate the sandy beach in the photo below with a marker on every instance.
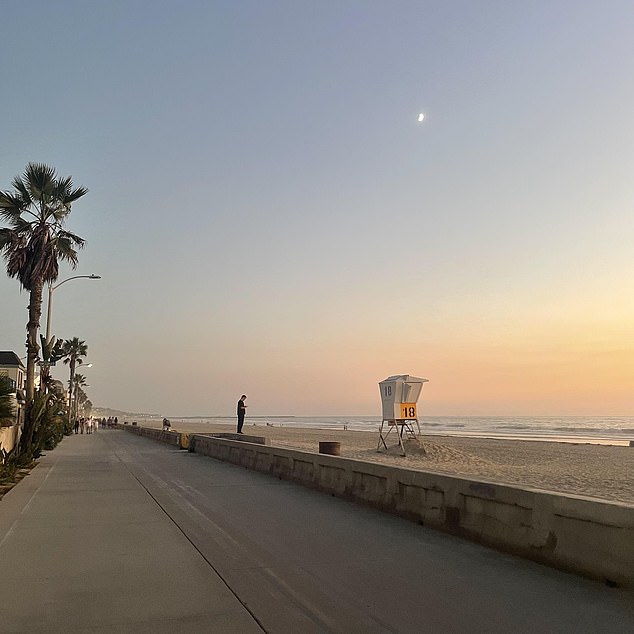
{"x":599,"y":471}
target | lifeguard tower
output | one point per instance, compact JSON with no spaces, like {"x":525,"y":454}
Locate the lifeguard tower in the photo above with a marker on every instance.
{"x":399,"y":396}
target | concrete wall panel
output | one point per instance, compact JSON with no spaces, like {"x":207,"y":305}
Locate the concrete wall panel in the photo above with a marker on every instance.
{"x":303,"y":471}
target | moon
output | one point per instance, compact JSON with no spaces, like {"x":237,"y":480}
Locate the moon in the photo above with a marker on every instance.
{"x":421,"y":116}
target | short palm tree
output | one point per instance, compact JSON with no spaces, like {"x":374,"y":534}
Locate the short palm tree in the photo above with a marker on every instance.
{"x":33,"y":244}
{"x":74,"y":351}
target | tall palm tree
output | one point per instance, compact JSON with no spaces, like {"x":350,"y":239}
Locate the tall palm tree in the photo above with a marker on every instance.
{"x":74,"y":351}
{"x":87,"y":407}
{"x":33,"y":244}
{"x":79,"y":381}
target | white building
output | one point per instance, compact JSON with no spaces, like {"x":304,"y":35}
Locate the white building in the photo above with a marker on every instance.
{"x":14,"y":370}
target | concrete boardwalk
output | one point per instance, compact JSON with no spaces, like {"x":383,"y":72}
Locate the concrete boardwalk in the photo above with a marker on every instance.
{"x":116,"y":533}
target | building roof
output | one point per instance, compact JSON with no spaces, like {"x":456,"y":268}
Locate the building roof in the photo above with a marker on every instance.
{"x":10,"y":358}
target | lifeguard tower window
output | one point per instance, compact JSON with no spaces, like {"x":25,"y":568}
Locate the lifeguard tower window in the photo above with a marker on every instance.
{"x":399,"y":398}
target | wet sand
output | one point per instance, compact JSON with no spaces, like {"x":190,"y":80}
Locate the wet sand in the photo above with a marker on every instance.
{"x":605,"y":472}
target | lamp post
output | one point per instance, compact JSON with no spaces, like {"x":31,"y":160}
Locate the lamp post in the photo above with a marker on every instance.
{"x":51,"y":288}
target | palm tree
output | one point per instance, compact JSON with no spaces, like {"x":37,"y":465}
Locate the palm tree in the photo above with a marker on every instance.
{"x":33,"y":244}
{"x":79,"y":381}
{"x":51,"y":352}
{"x":74,"y":351}
{"x":84,"y":405}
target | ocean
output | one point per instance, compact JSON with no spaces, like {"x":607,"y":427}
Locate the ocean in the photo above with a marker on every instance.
{"x":613,"y":430}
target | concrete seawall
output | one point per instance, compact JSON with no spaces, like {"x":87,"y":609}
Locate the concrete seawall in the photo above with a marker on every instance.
{"x":169,"y":437}
{"x":584,"y":535}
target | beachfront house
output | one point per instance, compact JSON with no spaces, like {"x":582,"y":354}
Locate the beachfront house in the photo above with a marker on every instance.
{"x":14,"y":370}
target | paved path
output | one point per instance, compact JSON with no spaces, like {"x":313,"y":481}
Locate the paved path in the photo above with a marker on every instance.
{"x":117,"y":533}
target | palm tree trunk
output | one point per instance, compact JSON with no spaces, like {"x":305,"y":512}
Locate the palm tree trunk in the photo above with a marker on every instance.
{"x":77,"y":401}
{"x":32,"y":347}
{"x":32,"y":351}
{"x":70,"y":391}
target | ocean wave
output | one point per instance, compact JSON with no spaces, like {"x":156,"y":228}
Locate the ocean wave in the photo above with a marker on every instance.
{"x":424,"y":423}
{"x":591,"y":430}
{"x":514,"y":427}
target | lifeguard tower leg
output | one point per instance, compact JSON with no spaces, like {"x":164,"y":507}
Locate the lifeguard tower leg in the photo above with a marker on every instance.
{"x":381,"y":439}
{"x":400,"y":438}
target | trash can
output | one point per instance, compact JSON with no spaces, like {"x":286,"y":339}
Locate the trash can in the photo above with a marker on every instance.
{"x":330,"y":447}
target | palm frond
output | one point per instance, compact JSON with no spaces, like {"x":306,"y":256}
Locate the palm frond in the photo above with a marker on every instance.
{"x":66,"y":246}
{"x":79,"y":379}
{"x":23,"y":190}
{"x":65,"y":195}
{"x":72,"y":239}
{"x":40,"y":180}
{"x":37,"y":245}
{"x":66,"y":252}
{"x":22,"y":226}
{"x":63,"y":186}
{"x":6,"y":237}
{"x":74,"y":194}
{"x":11,"y":206}
{"x":14,"y":246}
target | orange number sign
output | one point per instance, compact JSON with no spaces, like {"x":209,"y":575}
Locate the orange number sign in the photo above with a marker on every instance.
{"x":408,"y":410}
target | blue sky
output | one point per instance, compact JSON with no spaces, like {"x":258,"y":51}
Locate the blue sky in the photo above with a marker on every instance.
{"x":268,"y":216}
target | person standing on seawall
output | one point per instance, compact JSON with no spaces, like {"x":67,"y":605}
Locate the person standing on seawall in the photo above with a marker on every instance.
{"x":242,"y":410}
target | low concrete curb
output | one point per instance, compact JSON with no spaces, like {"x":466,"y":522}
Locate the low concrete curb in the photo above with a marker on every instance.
{"x":258,"y":440}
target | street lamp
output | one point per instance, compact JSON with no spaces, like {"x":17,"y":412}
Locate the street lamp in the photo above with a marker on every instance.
{"x":51,"y":288}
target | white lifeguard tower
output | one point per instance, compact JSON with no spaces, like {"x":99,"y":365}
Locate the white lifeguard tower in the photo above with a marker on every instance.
{"x":399,"y":396}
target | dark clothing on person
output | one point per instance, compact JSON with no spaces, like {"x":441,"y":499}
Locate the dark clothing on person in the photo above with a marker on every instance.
{"x":241,"y":411}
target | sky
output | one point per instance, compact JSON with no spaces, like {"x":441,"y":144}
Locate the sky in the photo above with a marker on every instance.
{"x":269,"y":217}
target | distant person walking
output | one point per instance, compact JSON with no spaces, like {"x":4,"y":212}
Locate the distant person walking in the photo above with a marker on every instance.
{"x":242,"y":410}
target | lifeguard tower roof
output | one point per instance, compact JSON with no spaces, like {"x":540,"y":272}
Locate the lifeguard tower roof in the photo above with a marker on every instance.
{"x":405,"y":378}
